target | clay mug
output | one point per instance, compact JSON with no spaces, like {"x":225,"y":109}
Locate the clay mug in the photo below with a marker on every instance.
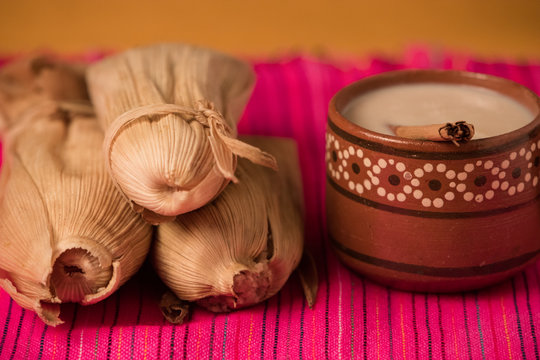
{"x":431,"y":216}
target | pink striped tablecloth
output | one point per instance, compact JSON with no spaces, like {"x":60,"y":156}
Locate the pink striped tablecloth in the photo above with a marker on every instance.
{"x":352,"y":318}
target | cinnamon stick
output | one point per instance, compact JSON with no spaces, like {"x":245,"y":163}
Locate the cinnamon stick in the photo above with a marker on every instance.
{"x":458,"y":132}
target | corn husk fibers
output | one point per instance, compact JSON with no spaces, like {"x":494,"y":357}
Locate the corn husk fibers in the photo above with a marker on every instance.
{"x":170,"y":112}
{"x":26,"y":83}
{"x":239,"y":249}
{"x":66,"y":233}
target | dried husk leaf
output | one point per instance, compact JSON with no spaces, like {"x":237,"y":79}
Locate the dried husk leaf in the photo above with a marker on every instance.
{"x":309,"y":277}
{"x":239,"y":249}
{"x":176,"y":311}
{"x":66,"y":233}
{"x":28,"y":82}
{"x":170,"y":112}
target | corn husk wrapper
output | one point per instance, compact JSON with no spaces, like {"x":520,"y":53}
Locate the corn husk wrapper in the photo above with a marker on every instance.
{"x":239,"y":249}
{"x":26,"y":83}
{"x":170,"y":112}
{"x":66,"y":233}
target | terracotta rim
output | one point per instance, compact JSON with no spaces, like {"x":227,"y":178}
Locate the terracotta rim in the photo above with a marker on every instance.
{"x":389,"y":143}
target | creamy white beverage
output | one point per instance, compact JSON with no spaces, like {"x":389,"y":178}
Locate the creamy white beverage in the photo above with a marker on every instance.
{"x":490,"y":112}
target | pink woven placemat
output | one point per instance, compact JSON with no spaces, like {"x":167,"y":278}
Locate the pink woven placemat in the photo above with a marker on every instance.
{"x":352,"y":318}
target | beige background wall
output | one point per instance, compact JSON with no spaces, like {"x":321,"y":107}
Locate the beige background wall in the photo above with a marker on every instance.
{"x":500,"y":28}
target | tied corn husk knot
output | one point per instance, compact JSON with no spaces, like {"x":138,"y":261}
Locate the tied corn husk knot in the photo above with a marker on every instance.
{"x":170,"y":112}
{"x":239,"y":249}
{"x":66,"y":234}
{"x":219,"y":134}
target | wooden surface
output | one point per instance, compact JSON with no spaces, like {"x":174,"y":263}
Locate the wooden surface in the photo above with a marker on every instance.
{"x":499,"y":28}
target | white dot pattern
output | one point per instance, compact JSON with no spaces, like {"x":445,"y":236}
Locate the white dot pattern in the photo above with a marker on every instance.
{"x":478,"y":180}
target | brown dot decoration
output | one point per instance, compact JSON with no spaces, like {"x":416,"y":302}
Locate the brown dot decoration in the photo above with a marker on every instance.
{"x":537,"y":161}
{"x":355,"y":168}
{"x":434,"y":185}
{"x":394,"y":180}
{"x":480,"y":181}
{"x":334,"y":156}
{"x":516,"y":173}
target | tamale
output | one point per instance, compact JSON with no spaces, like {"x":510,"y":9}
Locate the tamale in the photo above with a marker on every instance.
{"x":66,"y":232}
{"x":169,"y":112}
{"x":30,"y":81}
{"x":239,"y":249}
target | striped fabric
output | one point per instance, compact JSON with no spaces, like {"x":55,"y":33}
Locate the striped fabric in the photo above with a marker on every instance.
{"x":352,"y":318}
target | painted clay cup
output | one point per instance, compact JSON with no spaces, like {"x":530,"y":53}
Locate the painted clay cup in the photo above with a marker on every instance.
{"x":430,"y":216}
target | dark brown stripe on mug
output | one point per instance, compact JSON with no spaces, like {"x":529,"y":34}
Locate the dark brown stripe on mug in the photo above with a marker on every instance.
{"x":415,"y":154}
{"x":423,"y":213}
{"x":445,"y":272}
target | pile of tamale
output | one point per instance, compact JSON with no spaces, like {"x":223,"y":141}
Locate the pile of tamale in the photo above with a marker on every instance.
{"x":82,"y":182}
